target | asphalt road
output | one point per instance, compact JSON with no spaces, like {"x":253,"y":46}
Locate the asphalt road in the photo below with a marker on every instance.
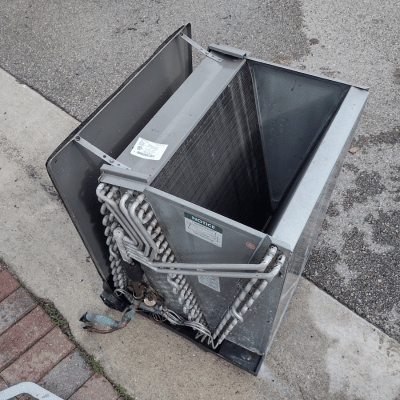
{"x":77,"y":53}
{"x":356,"y":259}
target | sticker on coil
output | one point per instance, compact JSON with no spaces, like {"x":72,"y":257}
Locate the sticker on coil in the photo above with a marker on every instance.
{"x":203,"y":229}
{"x":210,"y":281}
{"x":149,"y":150}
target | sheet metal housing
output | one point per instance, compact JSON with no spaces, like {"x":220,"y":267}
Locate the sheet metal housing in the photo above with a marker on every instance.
{"x":306,"y":125}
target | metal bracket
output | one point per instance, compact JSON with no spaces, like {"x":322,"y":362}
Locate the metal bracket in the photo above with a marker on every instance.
{"x":99,"y":153}
{"x":201,"y":49}
{"x":230,"y":51}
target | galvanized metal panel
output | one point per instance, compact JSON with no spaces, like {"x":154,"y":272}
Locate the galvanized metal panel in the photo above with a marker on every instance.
{"x":312,"y":195}
{"x":220,"y":166}
{"x":293,"y":216}
{"x":255,"y":330}
{"x":177,"y":118}
{"x":305,"y":73}
{"x":170,"y":212}
{"x":299,"y":223}
{"x":294,"y":110}
{"x":75,"y":171}
{"x":303,"y":249}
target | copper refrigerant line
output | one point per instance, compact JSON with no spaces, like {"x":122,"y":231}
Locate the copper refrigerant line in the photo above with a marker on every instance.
{"x":133,"y":233}
{"x":110,"y":222}
{"x":243,"y":301}
{"x":246,"y":299}
{"x":144,"y":242}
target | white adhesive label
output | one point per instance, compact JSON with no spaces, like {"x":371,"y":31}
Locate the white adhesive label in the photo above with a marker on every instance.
{"x":149,"y":150}
{"x":210,"y":281}
{"x":203,"y":229}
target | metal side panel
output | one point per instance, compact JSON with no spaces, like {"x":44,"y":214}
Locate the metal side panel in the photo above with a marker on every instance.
{"x":302,"y":72}
{"x":294,"y":214}
{"x":178,"y":117}
{"x":225,"y":242}
{"x":220,"y":166}
{"x":254,"y":332}
{"x":302,"y":217}
{"x":294,"y":111}
{"x":299,"y":224}
{"x":75,"y":171}
{"x":191,"y":241}
{"x":303,"y":250}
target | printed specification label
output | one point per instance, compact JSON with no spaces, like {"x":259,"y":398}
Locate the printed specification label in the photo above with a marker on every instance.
{"x":149,"y":150}
{"x":203,"y":229}
{"x":210,"y":281}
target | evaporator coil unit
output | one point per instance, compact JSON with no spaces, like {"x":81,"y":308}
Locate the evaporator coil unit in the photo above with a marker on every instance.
{"x":215,"y":187}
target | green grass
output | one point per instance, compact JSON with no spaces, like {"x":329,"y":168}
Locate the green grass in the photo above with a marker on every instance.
{"x":121,"y":392}
{"x":96,"y":366}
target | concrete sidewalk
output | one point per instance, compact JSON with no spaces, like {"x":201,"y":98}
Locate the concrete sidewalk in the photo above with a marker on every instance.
{"x":322,"y":351}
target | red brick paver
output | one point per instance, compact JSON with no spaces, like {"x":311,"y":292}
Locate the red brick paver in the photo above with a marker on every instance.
{"x":33,"y":349}
{"x":67,"y":376}
{"x":23,"y":335}
{"x":96,"y":388}
{"x":14,"y":307}
{"x":7,"y":284}
{"x":39,"y":359}
{"x":3,"y":385}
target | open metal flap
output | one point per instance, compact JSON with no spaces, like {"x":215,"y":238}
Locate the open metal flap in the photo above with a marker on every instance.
{"x":75,"y":170}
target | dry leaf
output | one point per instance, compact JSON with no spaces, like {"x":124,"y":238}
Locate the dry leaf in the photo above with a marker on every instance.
{"x":354,"y":150}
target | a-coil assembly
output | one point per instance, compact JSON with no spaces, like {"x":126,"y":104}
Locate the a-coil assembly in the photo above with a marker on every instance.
{"x":198,"y":194}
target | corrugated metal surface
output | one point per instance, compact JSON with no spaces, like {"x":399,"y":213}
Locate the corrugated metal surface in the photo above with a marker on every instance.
{"x":220,"y":165}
